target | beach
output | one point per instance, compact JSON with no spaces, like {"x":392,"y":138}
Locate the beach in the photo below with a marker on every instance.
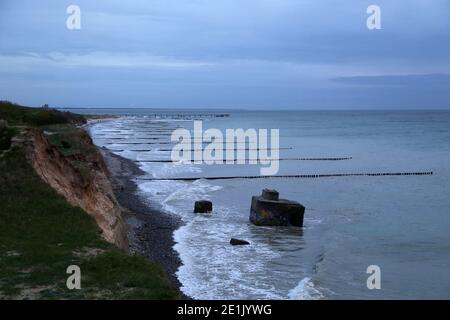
{"x":150,"y":231}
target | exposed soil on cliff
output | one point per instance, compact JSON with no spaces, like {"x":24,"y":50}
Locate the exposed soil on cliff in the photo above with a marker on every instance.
{"x":89,"y":190}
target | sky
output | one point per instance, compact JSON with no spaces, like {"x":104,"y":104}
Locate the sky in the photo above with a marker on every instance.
{"x":221,"y":54}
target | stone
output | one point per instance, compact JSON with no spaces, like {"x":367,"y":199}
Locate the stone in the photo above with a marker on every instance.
{"x":269,"y":210}
{"x":203,"y":206}
{"x":238,"y":242}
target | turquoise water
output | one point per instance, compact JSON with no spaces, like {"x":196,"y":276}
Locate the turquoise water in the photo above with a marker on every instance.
{"x":400,"y":223}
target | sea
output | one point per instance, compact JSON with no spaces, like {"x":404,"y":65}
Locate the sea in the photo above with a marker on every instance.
{"x":399,"y":224}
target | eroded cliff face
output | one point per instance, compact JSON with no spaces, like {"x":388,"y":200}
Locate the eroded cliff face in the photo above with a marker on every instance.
{"x":94,"y":195}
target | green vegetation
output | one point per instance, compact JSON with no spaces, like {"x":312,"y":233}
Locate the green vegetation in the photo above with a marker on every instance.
{"x":20,"y":115}
{"x":71,"y":141}
{"x":41,"y":234}
{"x":76,"y":145}
{"x":6,"y":135}
{"x":61,"y":131}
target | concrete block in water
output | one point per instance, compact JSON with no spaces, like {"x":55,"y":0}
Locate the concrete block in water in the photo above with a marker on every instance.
{"x":269,"y":210}
{"x":203,"y":206}
{"x":238,"y":242}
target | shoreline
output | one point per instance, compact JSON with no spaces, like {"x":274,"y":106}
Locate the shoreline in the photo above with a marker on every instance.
{"x":150,"y":231}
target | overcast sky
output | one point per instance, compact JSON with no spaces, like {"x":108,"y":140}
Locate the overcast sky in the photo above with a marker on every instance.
{"x":254,"y":54}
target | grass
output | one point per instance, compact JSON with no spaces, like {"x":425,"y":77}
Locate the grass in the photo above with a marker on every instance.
{"x":71,"y":141}
{"x":5,"y":138}
{"x":41,"y":234}
{"x":75,"y":144}
{"x":20,"y":115}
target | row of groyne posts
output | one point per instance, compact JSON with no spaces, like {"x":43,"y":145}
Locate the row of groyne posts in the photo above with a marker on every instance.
{"x":266,"y":209}
{"x":269,"y":210}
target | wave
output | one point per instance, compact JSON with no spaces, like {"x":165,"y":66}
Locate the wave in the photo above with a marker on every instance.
{"x":305,"y":290}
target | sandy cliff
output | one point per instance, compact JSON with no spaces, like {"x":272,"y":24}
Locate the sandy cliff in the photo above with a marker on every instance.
{"x":94,"y":195}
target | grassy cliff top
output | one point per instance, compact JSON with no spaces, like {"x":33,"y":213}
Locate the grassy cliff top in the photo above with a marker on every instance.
{"x":15,"y":114}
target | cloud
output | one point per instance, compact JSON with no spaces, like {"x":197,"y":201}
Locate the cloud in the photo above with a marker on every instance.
{"x":408,"y":80}
{"x":225,"y":52}
{"x":98,"y":59}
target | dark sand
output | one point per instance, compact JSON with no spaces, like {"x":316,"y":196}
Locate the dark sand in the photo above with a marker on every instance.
{"x":150,"y":230}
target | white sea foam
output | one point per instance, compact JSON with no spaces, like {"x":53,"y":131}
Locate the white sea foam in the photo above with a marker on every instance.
{"x":212,"y":269}
{"x":164,"y":170}
{"x":174,"y":195}
{"x":305,"y":290}
{"x":187,"y":193}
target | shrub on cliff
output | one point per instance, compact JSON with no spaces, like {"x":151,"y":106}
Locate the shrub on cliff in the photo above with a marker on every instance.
{"x":5,"y":137}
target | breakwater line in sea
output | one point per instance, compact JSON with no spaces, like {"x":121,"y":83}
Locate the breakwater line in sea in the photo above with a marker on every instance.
{"x":169,"y":150}
{"x":235,"y":160}
{"x":165,"y":142}
{"x":124,"y":135}
{"x":300,"y":176}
